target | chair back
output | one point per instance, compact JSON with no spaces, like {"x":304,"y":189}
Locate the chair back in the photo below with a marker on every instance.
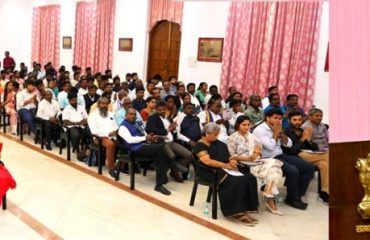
{"x":205,"y":175}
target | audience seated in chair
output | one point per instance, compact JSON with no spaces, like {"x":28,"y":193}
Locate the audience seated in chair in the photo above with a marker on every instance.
{"x":139,"y":103}
{"x":266,"y":101}
{"x":213,"y":114}
{"x":230,"y":115}
{"x":190,"y":88}
{"x":238,"y":194}
{"x":254,"y":110}
{"x":150,"y":108}
{"x":188,"y":127}
{"x":26,"y":104}
{"x":245,"y":147}
{"x":75,"y":118}
{"x":90,"y":97}
{"x":302,"y":141}
{"x":320,"y":134}
{"x":146,"y":145}
{"x":160,"y":125}
{"x":49,"y":111}
{"x":120,"y":115}
{"x":102,"y":124}
{"x":298,"y":173}
{"x":10,"y":92}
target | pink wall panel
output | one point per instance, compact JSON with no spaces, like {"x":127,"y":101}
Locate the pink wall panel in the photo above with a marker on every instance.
{"x":349,"y":70}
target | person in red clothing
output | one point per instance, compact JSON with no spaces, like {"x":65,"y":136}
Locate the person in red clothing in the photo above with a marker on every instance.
{"x":6,"y":179}
{"x":8,"y":62}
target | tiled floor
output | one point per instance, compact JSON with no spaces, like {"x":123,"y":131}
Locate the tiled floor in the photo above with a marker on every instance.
{"x":76,"y":205}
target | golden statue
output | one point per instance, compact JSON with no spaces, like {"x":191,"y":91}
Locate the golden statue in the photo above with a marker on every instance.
{"x":363,"y":167}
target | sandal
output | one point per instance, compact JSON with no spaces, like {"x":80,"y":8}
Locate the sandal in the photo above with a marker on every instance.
{"x":245,"y":219}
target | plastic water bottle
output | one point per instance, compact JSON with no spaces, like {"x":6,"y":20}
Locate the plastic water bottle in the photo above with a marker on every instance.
{"x":279,"y":200}
{"x":205,"y":210}
{"x":189,"y":175}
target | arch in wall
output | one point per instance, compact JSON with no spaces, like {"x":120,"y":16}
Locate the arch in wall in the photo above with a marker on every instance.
{"x":164,"y":49}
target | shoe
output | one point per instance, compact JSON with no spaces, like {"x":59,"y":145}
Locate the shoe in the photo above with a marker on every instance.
{"x":324,"y":198}
{"x":114,"y":174}
{"x":277,"y":212}
{"x":136,"y":169}
{"x":176,"y":177}
{"x":48,"y":147}
{"x":296,"y":204}
{"x":162,"y":190}
{"x":81,"y":157}
{"x":124,"y":169}
{"x":179,"y":168}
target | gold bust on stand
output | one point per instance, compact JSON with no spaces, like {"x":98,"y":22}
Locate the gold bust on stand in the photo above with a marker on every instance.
{"x":363,"y":167}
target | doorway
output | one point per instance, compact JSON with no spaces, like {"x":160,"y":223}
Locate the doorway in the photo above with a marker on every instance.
{"x":164,"y":49}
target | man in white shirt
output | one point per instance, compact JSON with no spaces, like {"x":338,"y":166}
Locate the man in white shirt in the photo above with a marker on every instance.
{"x":75,"y":118}
{"x":266,"y":101}
{"x":232,"y":114}
{"x":26,"y":104}
{"x":298,"y":173}
{"x":83,"y":84}
{"x":48,"y":110}
{"x":103,"y":125}
{"x":213,"y":114}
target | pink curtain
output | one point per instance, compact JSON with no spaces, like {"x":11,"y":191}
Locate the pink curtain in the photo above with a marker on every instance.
{"x":83,"y":55}
{"x":104,"y":36}
{"x":166,"y":10}
{"x":272,"y":44}
{"x":45,"y":34}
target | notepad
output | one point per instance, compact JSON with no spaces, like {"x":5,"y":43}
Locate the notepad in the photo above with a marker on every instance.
{"x":233,"y":172}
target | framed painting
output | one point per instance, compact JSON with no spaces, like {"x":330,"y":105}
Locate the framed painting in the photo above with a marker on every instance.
{"x":67,"y":42}
{"x":125,"y":44}
{"x":210,"y":49}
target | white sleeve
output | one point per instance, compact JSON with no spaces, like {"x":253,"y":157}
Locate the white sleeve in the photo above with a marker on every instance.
{"x":20,"y":100}
{"x":41,"y":111}
{"x":180,"y":136}
{"x":266,"y":141}
{"x":124,"y":133}
{"x":92,"y":122}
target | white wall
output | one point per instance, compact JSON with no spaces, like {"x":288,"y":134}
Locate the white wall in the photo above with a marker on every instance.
{"x":131,"y":22}
{"x":15,"y":29}
{"x":321,"y":96}
{"x":201,"y":19}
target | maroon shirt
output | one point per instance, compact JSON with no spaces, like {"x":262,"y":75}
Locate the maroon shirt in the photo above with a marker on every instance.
{"x":8,"y":62}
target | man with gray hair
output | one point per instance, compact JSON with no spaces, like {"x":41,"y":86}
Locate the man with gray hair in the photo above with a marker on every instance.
{"x":320,"y":134}
{"x":103,"y":125}
{"x":120,"y":114}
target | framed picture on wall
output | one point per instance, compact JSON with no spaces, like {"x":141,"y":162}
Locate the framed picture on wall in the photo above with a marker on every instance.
{"x":67,"y":42}
{"x":210,"y":49}
{"x":125,"y":44}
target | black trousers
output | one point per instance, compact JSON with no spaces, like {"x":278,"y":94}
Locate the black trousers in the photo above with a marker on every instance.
{"x":51,"y":131}
{"x":78,"y":134}
{"x":156,"y":152}
{"x":298,"y":175}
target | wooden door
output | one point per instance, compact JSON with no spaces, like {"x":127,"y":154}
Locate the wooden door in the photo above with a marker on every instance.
{"x":164,"y":50}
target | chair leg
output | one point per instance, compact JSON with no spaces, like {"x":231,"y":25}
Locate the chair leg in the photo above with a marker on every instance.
{"x":21,"y":130}
{"x":60,"y":147}
{"x":68,"y":150}
{"x":42,"y":138}
{"x":132,"y":174}
{"x":193,"y":193}
{"x":36,"y":136}
{"x":214,"y":202}
{"x":319,"y":182}
{"x":100,"y":164}
{"x":4,"y":124}
{"x":90,"y":158}
{"x":209,"y":195}
{"x":4,"y":202}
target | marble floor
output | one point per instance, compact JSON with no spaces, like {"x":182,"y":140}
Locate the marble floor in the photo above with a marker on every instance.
{"x":71,"y":204}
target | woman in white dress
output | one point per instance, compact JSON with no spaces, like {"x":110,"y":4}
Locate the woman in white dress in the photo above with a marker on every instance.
{"x":245,"y":147}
